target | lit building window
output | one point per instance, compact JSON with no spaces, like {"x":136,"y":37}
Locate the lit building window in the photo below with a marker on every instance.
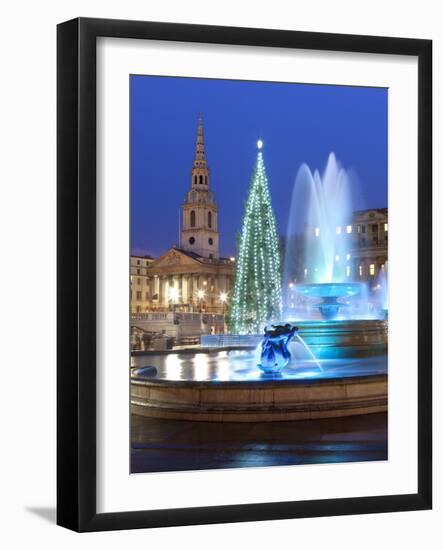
{"x":348,"y":256}
{"x":337,"y":258}
{"x":382,"y":267}
{"x":338,"y":230}
{"x":372,"y":269}
{"x":349,"y":229}
{"x":348,"y":271}
{"x":317,"y":231}
{"x":386,"y":227}
{"x":306,"y":273}
{"x":360,"y":270}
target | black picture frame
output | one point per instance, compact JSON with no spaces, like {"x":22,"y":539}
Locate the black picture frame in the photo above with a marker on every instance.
{"x":76,"y":295}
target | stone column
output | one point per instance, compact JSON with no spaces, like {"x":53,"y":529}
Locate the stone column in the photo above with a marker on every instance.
{"x":184,"y":285}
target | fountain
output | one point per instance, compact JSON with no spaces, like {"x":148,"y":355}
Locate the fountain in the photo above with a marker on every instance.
{"x":326,"y":358}
{"x":321,"y":210}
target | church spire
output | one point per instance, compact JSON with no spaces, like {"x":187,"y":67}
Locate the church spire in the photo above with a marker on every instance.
{"x":200,"y":160}
{"x":200,"y":170}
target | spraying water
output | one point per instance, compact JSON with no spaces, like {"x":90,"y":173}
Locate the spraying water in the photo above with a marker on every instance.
{"x":319,"y":271}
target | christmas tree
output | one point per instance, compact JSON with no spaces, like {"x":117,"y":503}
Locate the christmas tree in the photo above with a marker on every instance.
{"x":257,"y":288}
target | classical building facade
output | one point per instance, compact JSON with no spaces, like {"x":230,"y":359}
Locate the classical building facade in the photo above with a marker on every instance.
{"x":369,"y":253}
{"x":140,"y":287}
{"x":190,"y":277}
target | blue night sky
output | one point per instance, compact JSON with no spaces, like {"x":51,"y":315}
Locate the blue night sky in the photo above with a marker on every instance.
{"x":297,"y":122}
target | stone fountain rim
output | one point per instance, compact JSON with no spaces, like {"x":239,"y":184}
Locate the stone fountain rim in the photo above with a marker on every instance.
{"x":266,"y":382}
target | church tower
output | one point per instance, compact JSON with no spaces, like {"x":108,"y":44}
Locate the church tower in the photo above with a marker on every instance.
{"x":199,"y":231}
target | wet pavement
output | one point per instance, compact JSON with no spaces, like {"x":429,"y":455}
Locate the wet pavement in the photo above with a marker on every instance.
{"x":175,"y":445}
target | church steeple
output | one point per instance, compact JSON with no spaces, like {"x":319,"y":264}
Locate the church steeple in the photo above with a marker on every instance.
{"x":200,"y":159}
{"x":200,"y":170}
{"x":199,"y":231}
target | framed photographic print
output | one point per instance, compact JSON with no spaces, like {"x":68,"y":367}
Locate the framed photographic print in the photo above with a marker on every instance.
{"x":244,"y":274}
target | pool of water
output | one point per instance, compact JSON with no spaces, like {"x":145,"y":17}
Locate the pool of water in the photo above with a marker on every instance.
{"x":240,"y":366}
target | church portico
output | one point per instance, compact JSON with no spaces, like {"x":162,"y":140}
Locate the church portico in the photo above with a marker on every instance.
{"x":189,"y":284}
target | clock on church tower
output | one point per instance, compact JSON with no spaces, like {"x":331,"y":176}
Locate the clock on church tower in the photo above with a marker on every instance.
{"x":199,"y":233}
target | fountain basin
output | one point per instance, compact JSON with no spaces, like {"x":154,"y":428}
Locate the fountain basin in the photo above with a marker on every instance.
{"x":329,"y":292}
{"x":345,"y":338}
{"x":268,"y":401}
{"x":327,"y":340}
{"x":228,"y":387}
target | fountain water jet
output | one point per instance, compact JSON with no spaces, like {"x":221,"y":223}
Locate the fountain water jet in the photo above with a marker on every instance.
{"x":325,"y":204}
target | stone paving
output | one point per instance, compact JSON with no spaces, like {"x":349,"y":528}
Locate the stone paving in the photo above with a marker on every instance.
{"x":174,"y":445}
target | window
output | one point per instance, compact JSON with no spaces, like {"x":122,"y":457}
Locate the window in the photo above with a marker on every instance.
{"x":192,"y":218}
{"x":349,"y":229}
{"x":360,"y":270}
{"x":348,"y":271}
{"x":138,"y":295}
{"x":195,"y":180}
{"x":138,"y":262}
{"x":372,"y":269}
{"x":210,"y":241}
{"x":138,"y":271}
{"x":348,"y":256}
{"x":209,"y":219}
{"x":138,"y":280}
{"x":374,"y":227}
{"x":385,"y":227}
{"x":201,"y":180}
{"x":317,"y":231}
{"x":338,"y":230}
{"x":191,"y":240}
{"x":337,"y":258}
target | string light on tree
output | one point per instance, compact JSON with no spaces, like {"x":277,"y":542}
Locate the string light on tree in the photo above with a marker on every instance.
{"x":257,"y":288}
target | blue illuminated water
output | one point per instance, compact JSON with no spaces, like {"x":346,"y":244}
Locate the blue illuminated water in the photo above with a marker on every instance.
{"x":241,"y":366}
{"x":319,"y":272}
